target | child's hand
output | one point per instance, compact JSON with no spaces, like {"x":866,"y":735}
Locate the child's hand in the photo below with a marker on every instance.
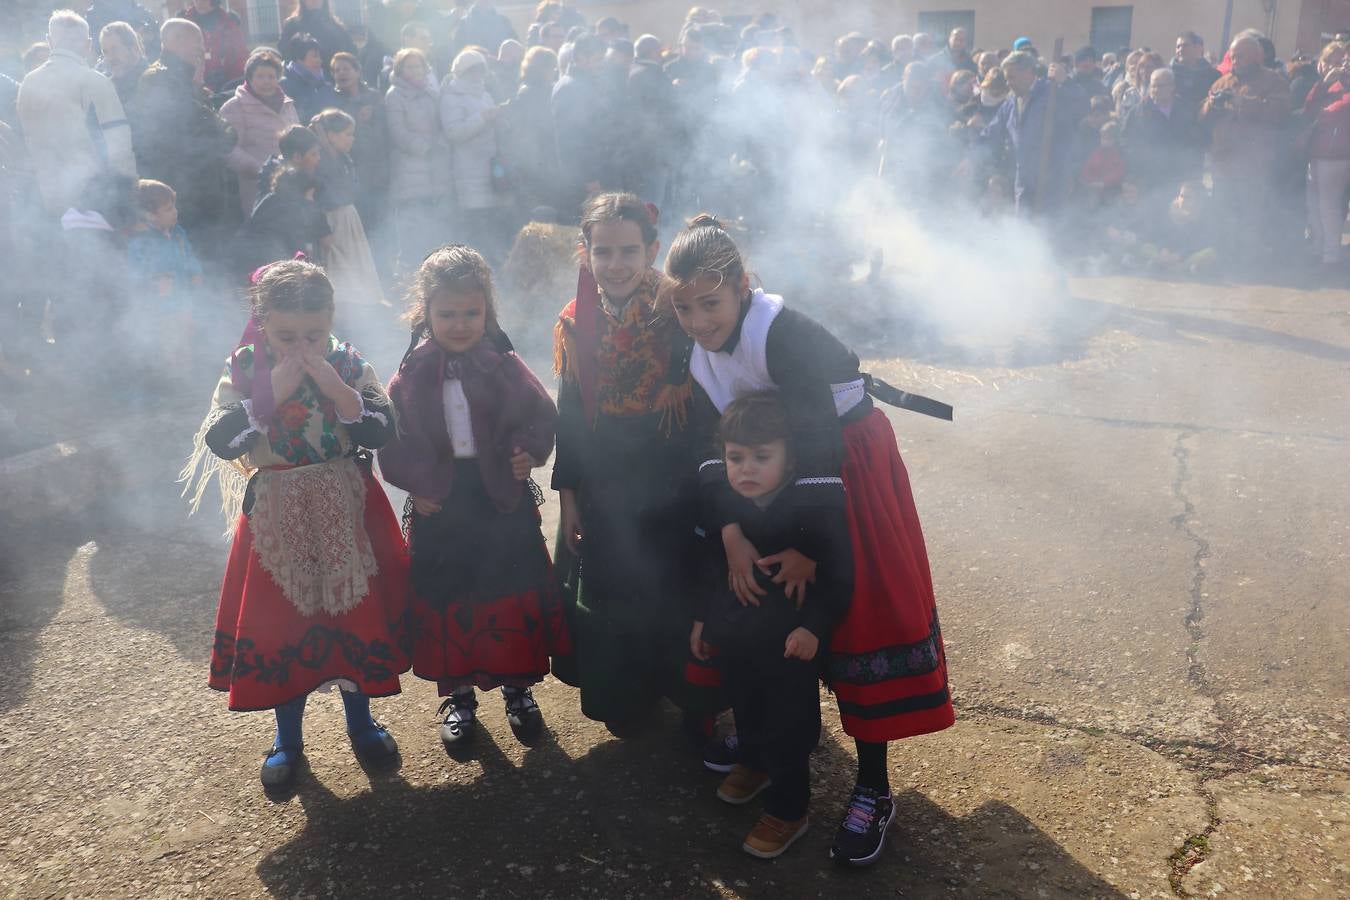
{"x":697,"y":646}
{"x":287,"y":375}
{"x":795,"y":572}
{"x":801,"y":644}
{"x":330,"y":384}
{"x":521,"y":464}
{"x":424,"y":507}
{"x":741,"y":559}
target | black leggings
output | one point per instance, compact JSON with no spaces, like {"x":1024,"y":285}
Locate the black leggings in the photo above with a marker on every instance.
{"x":872,"y":769}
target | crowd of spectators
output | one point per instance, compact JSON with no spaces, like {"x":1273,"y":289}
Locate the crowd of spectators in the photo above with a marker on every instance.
{"x":463,"y":130}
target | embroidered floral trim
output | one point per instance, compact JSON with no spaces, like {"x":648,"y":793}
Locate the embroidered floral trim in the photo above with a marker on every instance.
{"x":710,"y":462}
{"x":821,"y":480}
{"x":886,"y":663}
{"x":237,"y":659}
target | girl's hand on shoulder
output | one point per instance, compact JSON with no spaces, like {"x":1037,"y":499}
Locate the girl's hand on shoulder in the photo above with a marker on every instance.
{"x":795,"y":571}
{"x":801,"y":644}
{"x":424,"y":507}
{"x":521,"y":464}
{"x":741,"y":559}
{"x":697,"y":646}
{"x":287,"y":375}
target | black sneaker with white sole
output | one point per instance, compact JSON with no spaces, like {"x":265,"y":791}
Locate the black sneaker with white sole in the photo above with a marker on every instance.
{"x":862,"y":834}
{"x":720,"y":754}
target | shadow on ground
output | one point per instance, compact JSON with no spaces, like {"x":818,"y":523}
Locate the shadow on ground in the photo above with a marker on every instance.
{"x":639,"y":818}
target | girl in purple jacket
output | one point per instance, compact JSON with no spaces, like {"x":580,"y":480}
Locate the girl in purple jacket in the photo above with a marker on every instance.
{"x":472,"y":422}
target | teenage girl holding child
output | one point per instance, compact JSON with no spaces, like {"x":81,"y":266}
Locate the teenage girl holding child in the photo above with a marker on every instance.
{"x":885,"y":661}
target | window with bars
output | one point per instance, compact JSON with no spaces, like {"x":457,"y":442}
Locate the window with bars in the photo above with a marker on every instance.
{"x":1111,"y":26}
{"x":351,"y":12}
{"x":264,"y":21}
{"x":942,"y":23}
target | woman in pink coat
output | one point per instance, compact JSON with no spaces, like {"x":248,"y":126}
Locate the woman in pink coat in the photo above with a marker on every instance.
{"x":259,"y":111}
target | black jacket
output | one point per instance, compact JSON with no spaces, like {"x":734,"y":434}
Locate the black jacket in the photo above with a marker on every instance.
{"x":806,"y":517}
{"x":181,"y":140}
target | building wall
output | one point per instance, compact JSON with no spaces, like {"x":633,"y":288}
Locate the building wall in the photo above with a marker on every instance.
{"x":1294,"y":24}
{"x":997,"y":22}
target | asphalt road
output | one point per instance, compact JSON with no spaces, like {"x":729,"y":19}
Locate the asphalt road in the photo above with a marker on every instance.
{"x":1139,"y":543}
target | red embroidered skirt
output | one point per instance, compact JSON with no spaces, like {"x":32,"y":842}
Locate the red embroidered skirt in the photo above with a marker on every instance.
{"x":886,"y":663}
{"x":268,"y":652}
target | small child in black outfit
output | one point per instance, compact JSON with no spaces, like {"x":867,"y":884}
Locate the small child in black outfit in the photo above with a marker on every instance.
{"x":768,"y":652}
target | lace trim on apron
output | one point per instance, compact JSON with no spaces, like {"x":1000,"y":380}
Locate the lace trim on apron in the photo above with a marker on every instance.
{"x":309,"y":533}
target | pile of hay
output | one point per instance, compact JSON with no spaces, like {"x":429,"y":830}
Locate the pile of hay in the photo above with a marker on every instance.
{"x":537,"y":280}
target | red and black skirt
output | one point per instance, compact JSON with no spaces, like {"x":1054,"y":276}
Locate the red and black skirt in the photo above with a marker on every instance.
{"x":886,"y":663}
{"x":485,"y":610}
{"x":268,"y":652}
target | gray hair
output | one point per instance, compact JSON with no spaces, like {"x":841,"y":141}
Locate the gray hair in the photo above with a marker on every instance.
{"x":68,"y":30}
{"x":1019,"y":59}
{"x":124,"y":33}
{"x":1162,"y":74}
{"x":647,"y":46}
{"x":173,"y":28}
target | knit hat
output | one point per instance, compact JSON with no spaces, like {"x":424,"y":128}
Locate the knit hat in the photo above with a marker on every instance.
{"x":1022,"y":43}
{"x":466,"y":60}
{"x":1084,"y":54}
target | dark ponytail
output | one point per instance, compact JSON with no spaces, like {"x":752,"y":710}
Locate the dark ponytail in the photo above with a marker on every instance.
{"x":705,"y":248}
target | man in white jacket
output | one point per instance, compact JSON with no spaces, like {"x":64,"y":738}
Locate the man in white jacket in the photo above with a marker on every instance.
{"x":73,"y":123}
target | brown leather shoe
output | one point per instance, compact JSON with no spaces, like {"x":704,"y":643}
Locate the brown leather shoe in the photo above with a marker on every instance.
{"x":741,"y":785}
{"x":771,"y":836}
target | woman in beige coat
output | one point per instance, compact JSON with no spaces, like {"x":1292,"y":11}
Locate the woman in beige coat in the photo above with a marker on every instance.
{"x":259,"y":112}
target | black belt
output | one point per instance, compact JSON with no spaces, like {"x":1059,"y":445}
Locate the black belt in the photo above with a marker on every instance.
{"x":893,"y":396}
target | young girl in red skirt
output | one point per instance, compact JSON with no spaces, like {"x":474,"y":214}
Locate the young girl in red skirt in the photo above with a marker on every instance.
{"x":885,"y":663}
{"x":473,"y":421}
{"x":315,"y":589}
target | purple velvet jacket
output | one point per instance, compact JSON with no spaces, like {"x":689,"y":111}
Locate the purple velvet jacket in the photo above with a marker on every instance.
{"x":508,"y":406}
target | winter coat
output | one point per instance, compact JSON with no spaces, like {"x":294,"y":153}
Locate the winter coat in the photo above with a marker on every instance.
{"x":473,"y":142}
{"x":282,"y":225}
{"x":1246,"y":114}
{"x":1162,"y":150}
{"x":337,"y":174}
{"x":126,"y":83}
{"x":259,"y":130}
{"x":1193,"y":82}
{"x":370,"y":151}
{"x":1024,"y":131}
{"x":418,"y":157}
{"x":320,"y":25}
{"x":312,"y":93}
{"x":582,"y":112}
{"x":226,"y":45}
{"x":530,"y":148}
{"x":57,"y":104}
{"x":1329,"y":108}
{"x":181,"y":140}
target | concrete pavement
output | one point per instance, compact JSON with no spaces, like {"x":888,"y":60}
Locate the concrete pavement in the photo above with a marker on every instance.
{"x":1139,"y":543}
